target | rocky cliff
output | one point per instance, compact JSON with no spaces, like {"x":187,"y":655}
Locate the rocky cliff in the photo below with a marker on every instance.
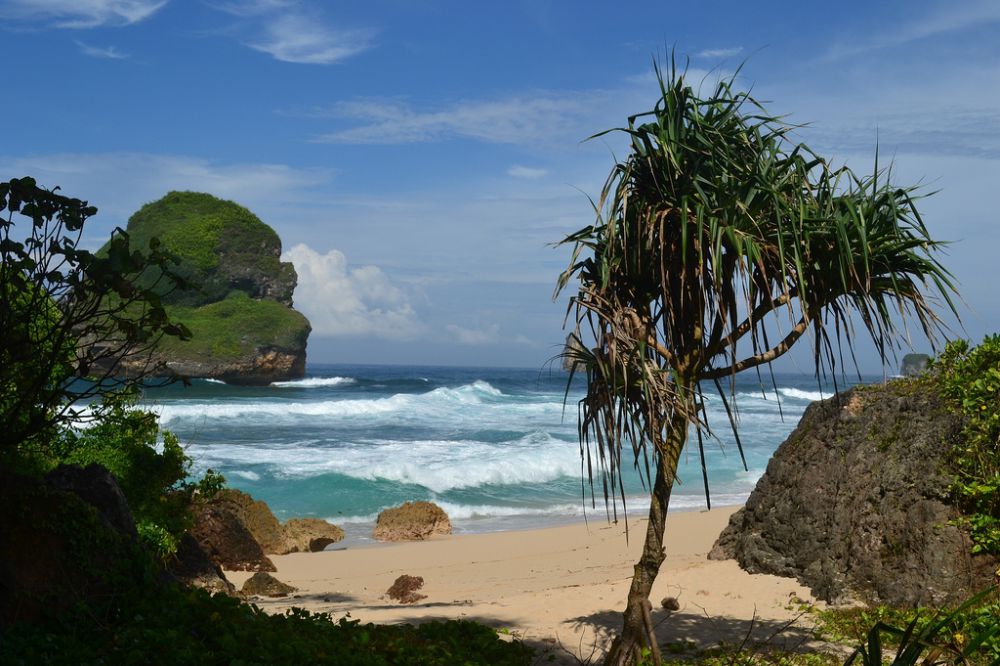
{"x":244,"y":329}
{"x":855,"y":503}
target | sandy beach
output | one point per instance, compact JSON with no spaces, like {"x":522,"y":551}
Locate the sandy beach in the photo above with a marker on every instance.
{"x":559,"y":589}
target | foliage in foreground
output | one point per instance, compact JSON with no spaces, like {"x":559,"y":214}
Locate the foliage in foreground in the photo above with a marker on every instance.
{"x":176,"y":626}
{"x":67,"y":312}
{"x":969,"y":380}
{"x":969,"y":634}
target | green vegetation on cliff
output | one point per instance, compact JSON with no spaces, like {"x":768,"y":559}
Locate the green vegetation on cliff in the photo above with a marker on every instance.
{"x":221,"y":245}
{"x":240,"y":310}
{"x":233,"y":327}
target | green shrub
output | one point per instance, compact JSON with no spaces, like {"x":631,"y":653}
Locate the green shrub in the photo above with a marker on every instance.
{"x":175,"y":626}
{"x":153,"y":478}
{"x":969,"y":380}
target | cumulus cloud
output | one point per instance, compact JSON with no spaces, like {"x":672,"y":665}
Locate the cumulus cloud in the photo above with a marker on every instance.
{"x":518,"y":171}
{"x":81,"y":14}
{"x":341,"y":300}
{"x":299,"y":39}
{"x":108,"y":53}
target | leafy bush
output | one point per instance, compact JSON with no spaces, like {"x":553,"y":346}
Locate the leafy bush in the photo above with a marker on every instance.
{"x":969,"y":380}
{"x":153,"y":479}
{"x":971,"y":630}
{"x":192,"y":627}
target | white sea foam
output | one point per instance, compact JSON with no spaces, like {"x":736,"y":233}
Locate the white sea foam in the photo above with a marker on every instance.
{"x":214,"y":381}
{"x":799,"y":394}
{"x":438,"y":465}
{"x":439,"y":403}
{"x":315,"y":382}
{"x":245,"y":474}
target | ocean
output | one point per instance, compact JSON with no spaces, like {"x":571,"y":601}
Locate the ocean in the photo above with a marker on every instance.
{"x":497,"y":448}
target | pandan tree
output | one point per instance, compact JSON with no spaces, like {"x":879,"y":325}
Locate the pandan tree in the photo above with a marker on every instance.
{"x":720,"y":242}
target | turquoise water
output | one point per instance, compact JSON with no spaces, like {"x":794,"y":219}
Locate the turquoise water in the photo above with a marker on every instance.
{"x":495,"y":447}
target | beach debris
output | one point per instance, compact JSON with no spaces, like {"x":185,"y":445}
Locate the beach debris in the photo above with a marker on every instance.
{"x":226,"y":541}
{"x":404,"y":590}
{"x":413,"y":521}
{"x":670,"y":603}
{"x":263,"y":584}
{"x":310,"y":535}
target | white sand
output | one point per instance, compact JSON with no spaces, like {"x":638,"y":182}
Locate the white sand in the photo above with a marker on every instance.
{"x":560,"y":589}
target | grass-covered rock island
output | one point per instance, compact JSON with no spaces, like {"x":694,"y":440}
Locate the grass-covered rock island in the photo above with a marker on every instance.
{"x":239,"y":306}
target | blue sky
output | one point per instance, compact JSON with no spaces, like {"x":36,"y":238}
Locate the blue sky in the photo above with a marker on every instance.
{"x":418,"y":158}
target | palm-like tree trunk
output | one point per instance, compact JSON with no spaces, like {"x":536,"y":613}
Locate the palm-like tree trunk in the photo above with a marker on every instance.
{"x":635,"y":634}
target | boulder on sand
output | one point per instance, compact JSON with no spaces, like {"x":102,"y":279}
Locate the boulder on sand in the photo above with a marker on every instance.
{"x":256,"y":517}
{"x":191,"y":567}
{"x":309,"y":535}
{"x":263,"y":584}
{"x":856,"y":503}
{"x":226,"y":541}
{"x":413,"y":521}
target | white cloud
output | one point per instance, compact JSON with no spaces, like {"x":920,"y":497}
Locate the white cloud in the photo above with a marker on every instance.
{"x":518,"y":171}
{"x":110,"y":52}
{"x":298,"y":39}
{"x":251,"y":7}
{"x":82,"y":13}
{"x":953,"y":18}
{"x":720,"y":53}
{"x":339,"y":300}
{"x":518,"y":119}
{"x":474,"y":336}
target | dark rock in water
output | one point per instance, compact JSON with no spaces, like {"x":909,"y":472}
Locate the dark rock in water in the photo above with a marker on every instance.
{"x":96,"y":486}
{"x":404,"y":589}
{"x":914,"y":364}
{"x":310,"y":535}
{"x":265,"y":585}
{"x":226,"y":541}
{"x":190,"y":566}
{"x":413,"y":521}
{"x":856,"y":503}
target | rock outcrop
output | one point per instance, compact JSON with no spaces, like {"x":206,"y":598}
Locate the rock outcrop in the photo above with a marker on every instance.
{"x":256,"y":517}
{"x":96,"y":486}
{"x":297,"y":535}
{"x":855,"y":503}
{"x":190,"y":566}
{"x":413,"y":521}
{"x":226,"y":541}
{"x":310,"y":535}
{"x":263,"y":584}
{"x":60,"y":548}
{"x":239,"y":309}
